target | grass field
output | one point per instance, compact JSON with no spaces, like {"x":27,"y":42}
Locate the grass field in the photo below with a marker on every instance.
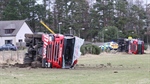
{"x":91,"y":69}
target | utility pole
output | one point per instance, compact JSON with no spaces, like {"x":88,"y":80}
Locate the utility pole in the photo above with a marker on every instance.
{"x":59,"y":27}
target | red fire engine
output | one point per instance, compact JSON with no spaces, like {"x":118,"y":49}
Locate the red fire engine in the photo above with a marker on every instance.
{"x":53,"y":50}
{"x":136,"y":46}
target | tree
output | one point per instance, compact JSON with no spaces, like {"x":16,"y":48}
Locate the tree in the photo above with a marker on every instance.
{"x":3,"y":4}
{"x":138,"y":15}
{"x":122,"y":15}
{"x":11,"y":11}
{"x":102,"y":15}
{"x":72,"y":14}
{"x":27,"y":10}
{"x":110,"y":33}
{"x":43,"y":12}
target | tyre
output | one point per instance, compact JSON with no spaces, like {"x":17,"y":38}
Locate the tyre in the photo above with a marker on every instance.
{"x":27,"y":59}
{"x":36,"y":64}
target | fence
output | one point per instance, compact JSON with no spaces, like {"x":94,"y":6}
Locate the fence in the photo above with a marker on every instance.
{"x":21,"y":45}
{"x":12,"y":57}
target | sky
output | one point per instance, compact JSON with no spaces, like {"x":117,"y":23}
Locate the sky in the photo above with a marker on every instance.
{"x":39,"y":1}
{"x":148,"y":1}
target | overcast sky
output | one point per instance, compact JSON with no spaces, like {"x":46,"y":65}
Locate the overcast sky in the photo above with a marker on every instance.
{"x":148,"y":1}
{"x":39,"y":1}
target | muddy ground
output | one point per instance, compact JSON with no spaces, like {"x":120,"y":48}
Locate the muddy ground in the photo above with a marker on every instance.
{"x":11,"y":59}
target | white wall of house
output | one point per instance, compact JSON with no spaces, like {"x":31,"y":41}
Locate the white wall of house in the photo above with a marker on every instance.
{"x":2,"y":40}
{"x":23,"y":30}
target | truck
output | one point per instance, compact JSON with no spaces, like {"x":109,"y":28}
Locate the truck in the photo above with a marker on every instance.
{"x":52,"y":50}
{"x":131,"y":46}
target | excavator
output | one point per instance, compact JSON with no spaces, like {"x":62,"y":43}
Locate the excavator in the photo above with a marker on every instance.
{"x":52,"y":50}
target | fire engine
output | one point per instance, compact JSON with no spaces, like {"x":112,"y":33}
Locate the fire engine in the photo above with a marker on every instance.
{"x":132,"y":46}
{"x":136,"y":46}
{"x":52,"y":50}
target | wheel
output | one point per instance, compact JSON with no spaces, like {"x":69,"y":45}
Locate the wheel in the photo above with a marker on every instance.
{"x":36,"y":64}
{"x":27,"y":60}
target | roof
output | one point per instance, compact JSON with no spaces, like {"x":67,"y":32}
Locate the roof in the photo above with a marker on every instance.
{"x":12,"y":24}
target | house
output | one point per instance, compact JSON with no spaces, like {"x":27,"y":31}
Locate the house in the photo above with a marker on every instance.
{"x":13,"y":31}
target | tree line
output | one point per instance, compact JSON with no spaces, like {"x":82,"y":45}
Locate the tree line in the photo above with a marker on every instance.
{"x":103,"y":20}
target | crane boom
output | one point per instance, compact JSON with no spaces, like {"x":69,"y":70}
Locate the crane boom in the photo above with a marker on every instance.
{"x":47,"y":27}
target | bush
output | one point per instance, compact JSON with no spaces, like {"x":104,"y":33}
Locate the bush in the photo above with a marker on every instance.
{"x":91,"y":49}
{"x":95,"y":50}
{"x":145,"y":47}
{"x":83,"y":51}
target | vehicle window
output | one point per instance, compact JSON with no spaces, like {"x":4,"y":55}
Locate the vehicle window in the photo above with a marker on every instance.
{"x":8,"y":45}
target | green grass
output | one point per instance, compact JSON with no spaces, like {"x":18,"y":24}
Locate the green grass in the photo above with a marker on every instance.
{"x":130,"y":69}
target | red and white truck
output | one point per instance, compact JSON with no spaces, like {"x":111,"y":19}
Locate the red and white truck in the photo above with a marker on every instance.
{"x":52,"y":50}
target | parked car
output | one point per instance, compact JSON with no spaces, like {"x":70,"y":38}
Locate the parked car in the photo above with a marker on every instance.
{"x":109,"y":45}
{"x":8,"y":47}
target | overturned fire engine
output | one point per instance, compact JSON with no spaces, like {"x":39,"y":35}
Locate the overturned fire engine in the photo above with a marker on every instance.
{"x":52,"y":50}
{"x":132,"y":46}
